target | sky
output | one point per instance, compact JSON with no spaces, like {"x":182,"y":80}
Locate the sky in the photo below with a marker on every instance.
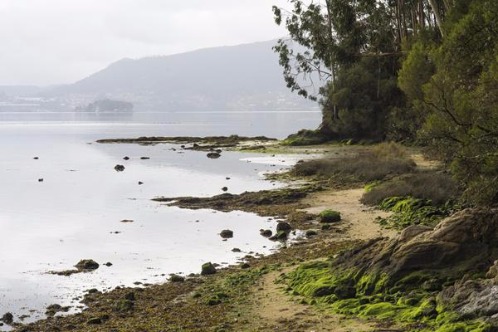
{"x":46,"y":42}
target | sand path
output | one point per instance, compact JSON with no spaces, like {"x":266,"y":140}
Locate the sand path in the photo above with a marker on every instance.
{"x":272,"y":310}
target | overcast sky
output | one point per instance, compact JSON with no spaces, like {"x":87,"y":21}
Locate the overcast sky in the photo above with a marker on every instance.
{"x":61,"y":41}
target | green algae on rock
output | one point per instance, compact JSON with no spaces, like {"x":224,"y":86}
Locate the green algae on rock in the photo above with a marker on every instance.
{"x":415,"y":278}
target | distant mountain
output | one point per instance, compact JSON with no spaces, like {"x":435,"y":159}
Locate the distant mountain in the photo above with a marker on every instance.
{"x":232,"y":77}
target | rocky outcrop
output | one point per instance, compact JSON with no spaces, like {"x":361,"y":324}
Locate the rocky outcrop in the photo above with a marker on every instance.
{"x":466,"y":242}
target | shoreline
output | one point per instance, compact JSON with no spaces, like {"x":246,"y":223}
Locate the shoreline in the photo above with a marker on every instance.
{"x":323,"y":243}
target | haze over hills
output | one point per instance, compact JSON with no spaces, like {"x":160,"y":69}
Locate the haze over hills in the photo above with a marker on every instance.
{"x":246,"y":77}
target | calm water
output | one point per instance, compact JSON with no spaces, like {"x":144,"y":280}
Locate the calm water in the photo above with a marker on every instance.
{"x":75,"y":212}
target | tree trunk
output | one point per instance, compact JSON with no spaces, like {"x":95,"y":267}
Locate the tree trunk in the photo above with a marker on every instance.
{"x":437,"y":14}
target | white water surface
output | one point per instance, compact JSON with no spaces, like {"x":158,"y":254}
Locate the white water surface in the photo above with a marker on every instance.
{"x":76,"y":211}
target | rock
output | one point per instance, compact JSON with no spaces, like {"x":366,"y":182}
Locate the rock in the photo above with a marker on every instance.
{"x":224,"y":188}
{"x":87,"y":264}
{"x":123,"y":305}
{"x":94,"y":321}
{"x":284,"y":226}
{"x":8,"y":318}
{"x":245,"y":266}
{"x":130,"y":296}
{"x":144,"y":158}
{"x":449,"y":260}
{"x":281,"y":235}
{"x":265,"y":232}
{"x":412,"y":231}
{"x":329,"y":216}
{"x":311,"y":233}
{"x":208,"y":268}
{"x":119,"y":168}
{"x":126,"y":158}
{"x":140,"y":183}
{"x":127,"y":220}
{"x":176,"y":278}
{"x":227,"y":178}
{"x":108,"y":264}
{"x":236,"y":250}
{"x":35,"y":158}
{"x":226,"y":233}
{"x":326,"y":227}
{"x":213,"y":155}
{"x":40,"y":180}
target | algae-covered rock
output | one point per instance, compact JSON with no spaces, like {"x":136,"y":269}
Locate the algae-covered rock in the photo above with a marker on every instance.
{"x":465,"y":242}
{"x":431,"y":275}
{"x":176,"y":278}
{"x":123,"y":305}
{"x":208,"y":268}
{"x":329,"y":216}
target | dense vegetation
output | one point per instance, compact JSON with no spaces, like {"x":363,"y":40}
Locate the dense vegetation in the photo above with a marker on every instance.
{"x":422,"y":71}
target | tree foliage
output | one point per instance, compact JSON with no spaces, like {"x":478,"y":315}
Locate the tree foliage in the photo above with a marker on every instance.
{"x":405,"y":70}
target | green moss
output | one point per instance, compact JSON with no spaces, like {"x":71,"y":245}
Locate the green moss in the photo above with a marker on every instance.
{"x":412,"y":211}
{"x":329,"y":216}
{"x":382,"y":310}
{"x":372,"y":295}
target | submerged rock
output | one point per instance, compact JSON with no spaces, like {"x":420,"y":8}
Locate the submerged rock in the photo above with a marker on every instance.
{"x":119,"y":168}
{"x":213,"y":155}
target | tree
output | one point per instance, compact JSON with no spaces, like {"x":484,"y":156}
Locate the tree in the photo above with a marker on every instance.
{"x":343,"y":39}
{"x":462,"y":98}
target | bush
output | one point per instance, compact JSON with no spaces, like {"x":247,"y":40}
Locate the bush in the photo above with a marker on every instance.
{"x":305,"y":137}
{"x":436,"y":187}
{"x":386,"y":159}
{"x":329,"y":216}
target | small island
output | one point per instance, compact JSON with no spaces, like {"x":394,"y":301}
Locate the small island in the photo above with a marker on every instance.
{"x":106,"y":106}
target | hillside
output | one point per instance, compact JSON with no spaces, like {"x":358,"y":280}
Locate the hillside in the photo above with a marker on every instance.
{"x":232,"y":77}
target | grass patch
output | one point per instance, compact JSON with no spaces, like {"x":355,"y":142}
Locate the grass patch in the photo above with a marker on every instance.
{"x":416,"y":199}
{"x":436,"y":187}
{"x":383,"y":160}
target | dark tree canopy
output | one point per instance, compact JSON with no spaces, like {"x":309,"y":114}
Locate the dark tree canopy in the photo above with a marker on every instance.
{"x":410,"y":70}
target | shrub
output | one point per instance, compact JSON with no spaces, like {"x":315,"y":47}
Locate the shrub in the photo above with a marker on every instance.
{"x":329,"y":216}
{"x":305,"y":137}
{"x":436,"y":187}
{"x":386,"y":159}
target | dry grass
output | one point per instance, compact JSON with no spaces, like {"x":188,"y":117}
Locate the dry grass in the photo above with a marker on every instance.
{"x":383,"y":160}
{"x":437,"y":187}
